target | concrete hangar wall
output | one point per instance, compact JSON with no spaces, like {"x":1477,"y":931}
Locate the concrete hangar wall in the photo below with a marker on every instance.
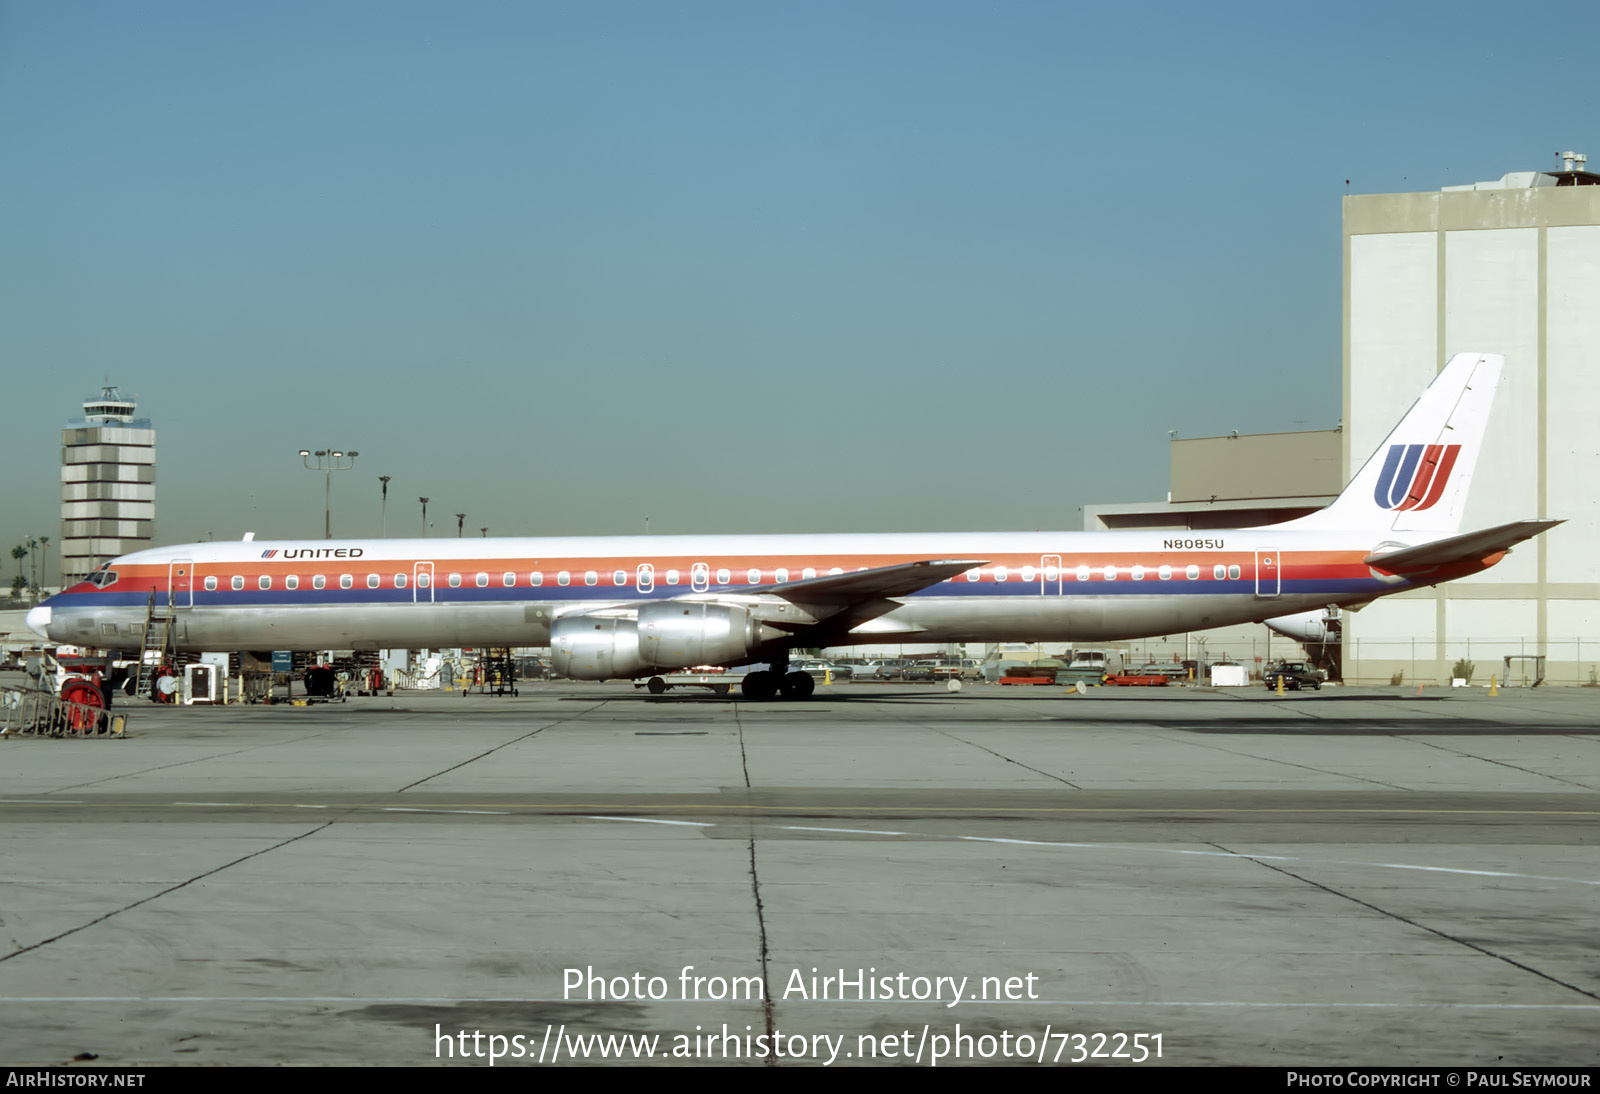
{"x":1508,"y":267}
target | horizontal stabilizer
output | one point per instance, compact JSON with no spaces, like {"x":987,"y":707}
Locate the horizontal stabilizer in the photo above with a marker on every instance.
{"x":1468,"y":547}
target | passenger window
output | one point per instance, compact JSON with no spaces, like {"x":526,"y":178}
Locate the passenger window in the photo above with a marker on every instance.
{"x":724,"y":576}
{"x":400,"y":581}
{"x":999,"y":573}
{"x":237,"y":583}
{"x":753,"y":576}
{"x":781,"y":575}
{"x":211,"y":584}
{"x":1109,"y":573}
{"x":1138,"y":573}
{"x":1165,"y":573}
{"x":319,"y":582}
{"x":975,"y":575}
{"x":291,"y":582}
{"x":536,"y":578}
{"x":1083,"y":573}
{"x":264,"y":582}
{"x":346,"y":581}
{"x":1026,"y":574}
{"x":508,"y":579}
{"x":835,"y":572}
{"x":483,"y":581}
{"x":1233,"y":573}
{"x":1192,"y":573}
{"x":372,"y":581}
{"x":619,"y":577}
{"x":455,"y":581}
{"x":564,"y":578}
{"x":590,"y":577}
{"x":807,"y":574}
{"x":1218,"y":572}
{"x":424,"y":581}
{"x":672,"y":577}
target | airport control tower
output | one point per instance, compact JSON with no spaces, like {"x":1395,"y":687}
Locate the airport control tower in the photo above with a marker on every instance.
{"x":108,"y":484}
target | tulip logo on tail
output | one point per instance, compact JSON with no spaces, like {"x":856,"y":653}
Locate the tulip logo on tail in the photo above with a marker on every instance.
{"x":1414,"y":475}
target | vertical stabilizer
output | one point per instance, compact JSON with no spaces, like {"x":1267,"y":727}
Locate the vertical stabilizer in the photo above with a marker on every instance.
{"x":1417,"y":480}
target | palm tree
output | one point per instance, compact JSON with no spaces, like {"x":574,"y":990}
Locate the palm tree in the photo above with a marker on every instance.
{"x":19,"y":553}
{"x":44,"y":563}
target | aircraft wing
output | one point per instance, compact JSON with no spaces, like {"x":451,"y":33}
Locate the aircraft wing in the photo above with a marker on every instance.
{"x":831,"y":606}
{"x":900,"y":580}
{"x":1468,"y":547}
{"x":826,"y":607}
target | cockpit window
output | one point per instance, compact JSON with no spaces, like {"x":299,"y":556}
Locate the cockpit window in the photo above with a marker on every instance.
{"x":101,"y":578}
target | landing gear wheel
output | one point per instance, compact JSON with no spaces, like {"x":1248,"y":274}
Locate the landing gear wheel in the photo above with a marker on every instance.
{"x":760,"y":686}
{"x":656,"y":685}
{"x":797,"y":685}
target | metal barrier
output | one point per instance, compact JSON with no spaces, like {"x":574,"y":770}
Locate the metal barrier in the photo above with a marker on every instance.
{"x":44,"y":714}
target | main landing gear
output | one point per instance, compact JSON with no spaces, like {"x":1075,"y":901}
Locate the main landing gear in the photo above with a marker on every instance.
{"x":778,"y":680}
{"x":760,"y":686}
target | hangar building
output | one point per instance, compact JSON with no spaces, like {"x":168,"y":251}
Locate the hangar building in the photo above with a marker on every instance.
{"x":1510,"y":266}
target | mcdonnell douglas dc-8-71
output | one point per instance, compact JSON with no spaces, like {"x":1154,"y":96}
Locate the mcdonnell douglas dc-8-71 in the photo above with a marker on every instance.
{"x":637,"y":606}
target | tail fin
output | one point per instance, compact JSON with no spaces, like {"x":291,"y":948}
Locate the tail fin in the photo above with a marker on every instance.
{"x":1417,"y":480}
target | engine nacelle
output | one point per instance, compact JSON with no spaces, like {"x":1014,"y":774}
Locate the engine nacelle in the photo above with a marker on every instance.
{"x":586,"y":647}
{"x":666,"y":636}
{"x":678,"y":635}
{"x":1313,"y":627}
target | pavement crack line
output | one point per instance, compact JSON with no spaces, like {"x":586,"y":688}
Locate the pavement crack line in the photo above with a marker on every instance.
{"x":1501,"y":763}
{"x":1157,"y":732}
{"x":990,"y":751}
{"x":182,"y":763}
{"x":755,"y":891}
{"x":503,"y":744}
{"x":169,"y":889}
{"x":1513,"y":962}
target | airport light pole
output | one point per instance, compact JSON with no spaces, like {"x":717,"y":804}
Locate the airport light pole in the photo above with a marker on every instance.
{"x":385,"y":518}
{"x":461,"y":518}
{"x":328,"y":461}
{"x":424,"y":502}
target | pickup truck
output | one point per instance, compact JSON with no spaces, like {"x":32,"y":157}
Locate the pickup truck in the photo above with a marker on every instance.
{"x":1295,"y":674}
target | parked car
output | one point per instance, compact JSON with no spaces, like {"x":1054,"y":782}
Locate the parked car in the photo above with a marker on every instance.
{"x":817,"y":670}
{"x":1295,"y":675}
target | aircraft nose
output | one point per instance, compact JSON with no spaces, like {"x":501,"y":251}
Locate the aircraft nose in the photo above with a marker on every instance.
{"x":38,"y":620}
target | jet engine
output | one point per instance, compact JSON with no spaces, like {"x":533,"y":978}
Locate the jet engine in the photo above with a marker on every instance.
{"x":1313,"y":627}
{"x":666,"y":636}
{"x":587,"y":647}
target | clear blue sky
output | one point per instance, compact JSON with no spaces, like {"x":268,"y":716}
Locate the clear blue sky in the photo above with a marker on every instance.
{"x":734,"y":266}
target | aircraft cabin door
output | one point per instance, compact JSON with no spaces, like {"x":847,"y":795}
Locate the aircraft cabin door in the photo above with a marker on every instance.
{"x":422,"y":583}
{"x":180,"y":583}
{"x":1050,"y":575}
{"x":1269,"y":572}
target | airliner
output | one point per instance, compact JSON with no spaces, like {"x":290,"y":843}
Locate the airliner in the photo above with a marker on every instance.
{"x":631,"y":607}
